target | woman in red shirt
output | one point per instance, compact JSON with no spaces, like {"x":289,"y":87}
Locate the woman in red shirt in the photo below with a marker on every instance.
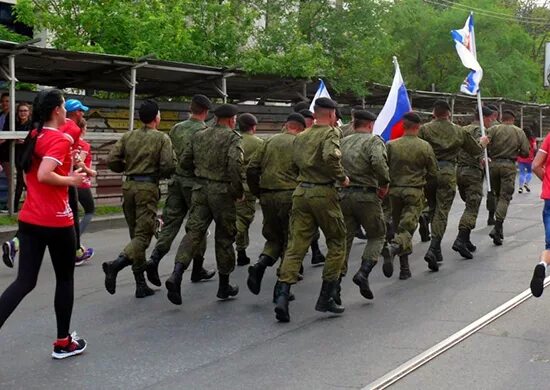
{"x":46,"y":220}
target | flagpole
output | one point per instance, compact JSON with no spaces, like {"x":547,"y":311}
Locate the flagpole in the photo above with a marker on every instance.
{"x":480,"y":113}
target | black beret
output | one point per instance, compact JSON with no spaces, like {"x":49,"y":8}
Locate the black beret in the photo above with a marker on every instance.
{"x":202,"y":101}
{"x":307,"y":114}
{"x":324,"y":102}
{"x":492,"y":107}
{"x":226,"y":111}
{"x":148,"y":111}
{"x":412,"y":117}
{"x":246,"y":120}
{"x":442,"y":104}
{"x":296,"y":117}
{"x":486,"y":111}
{"x":364,"y":115}
{"x":300,"y":106}
{"x":509,"y":112}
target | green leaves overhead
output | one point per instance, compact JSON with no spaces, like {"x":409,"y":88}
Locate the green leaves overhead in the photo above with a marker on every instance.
{"x":348,"y":42}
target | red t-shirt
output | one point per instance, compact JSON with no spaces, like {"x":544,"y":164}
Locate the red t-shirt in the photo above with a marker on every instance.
{"x":84,"y":148}
{"x":47,"y":205}
{"x":72,"y":129}
{"x":545,"y":148}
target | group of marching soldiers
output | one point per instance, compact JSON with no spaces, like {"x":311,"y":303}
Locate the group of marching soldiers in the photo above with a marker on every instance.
{"x":311,"y":176}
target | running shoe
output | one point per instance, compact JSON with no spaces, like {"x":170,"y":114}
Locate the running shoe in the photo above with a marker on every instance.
{"x":159,"y":223}
{"x":83,"y":256}
{"x":9,"y":252}
{"x":71,"y":346}
{"x":520,"y":191}
{"x":527,"y":188}
{"x":537,"y":282}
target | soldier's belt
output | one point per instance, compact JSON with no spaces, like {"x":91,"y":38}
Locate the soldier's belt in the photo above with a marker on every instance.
{"x":142,"y":179}
{"x":359,"y":189}
{"x":446,"y":163}
{"x":311,"y":185}
{"x":267,"y":190}
{"x":506,"y":160}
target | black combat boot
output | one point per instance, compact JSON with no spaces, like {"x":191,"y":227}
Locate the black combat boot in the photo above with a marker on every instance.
{"x":111,"y":269}
{"x":491,"y":218}
{"x":405,"y":271}
{"x":199,"y":273}
{"x":361,"y":278}
{"x":142,"y":289}
{"x":242,"y":258}
{"x":424,"y":228}
{"x":360,"y":234}
{"x":256,"y":273}
{"x":431,"y":255}
{"x":389,"y":252}
{"x":326,"y":298}
{"x":337,"y":292}
{"x":316,"y":256}
{"x":471,"y":247}
{"x":497,"y":234}
{"x":152,"y":268}
{"x":173,"y":284}
{"x":225,"y":290}
{"x":461,"y":244}
{"x":281,"y":304}
{"x":277,"y":291}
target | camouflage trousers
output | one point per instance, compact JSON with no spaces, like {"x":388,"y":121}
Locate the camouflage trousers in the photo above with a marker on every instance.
{"x":470,"y":187}
{"x":361,"y":208}
{"x":312,"y":208}
{"x":211,"y":201}
{"x":178,"y":203}
{"x":245,"y":215}
{"x":276,"y":208}
{"x":406,"y":206}
{"x":140,"y":211}
{"x":440,"y":196}
{"x":503,"y":181}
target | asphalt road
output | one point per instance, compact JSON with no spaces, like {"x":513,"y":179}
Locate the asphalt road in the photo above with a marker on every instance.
{"x":237,"y":344}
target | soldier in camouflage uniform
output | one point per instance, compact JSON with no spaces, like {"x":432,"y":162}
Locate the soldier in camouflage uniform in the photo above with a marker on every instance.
{"x":365,"y":163}
{"x":412,"y":165}
{"x":145,"y":156}
{"x":216,"y":156}
{"x":308,"y":116}
{"x":446,"y":140}
{"x":178,"y":200}
{"x":469,"y":179}
{"x":348,"y":128}
{"x":273,"y":177}
{"x":247,"y":209}
{"x":490,"y":201}
{"x":507,"y":142}
{"x":316,"y":153}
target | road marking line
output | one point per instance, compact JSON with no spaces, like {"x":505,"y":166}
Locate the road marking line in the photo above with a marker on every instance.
{"x":419,"y":360}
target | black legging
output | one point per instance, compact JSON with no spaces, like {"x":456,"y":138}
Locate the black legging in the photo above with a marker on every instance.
{"x":86,"y":199}
{"x":33,"y":242}
{"x":73,"y":204}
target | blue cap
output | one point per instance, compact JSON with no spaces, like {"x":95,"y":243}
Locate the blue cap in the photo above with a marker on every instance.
{"x":72,"y":105}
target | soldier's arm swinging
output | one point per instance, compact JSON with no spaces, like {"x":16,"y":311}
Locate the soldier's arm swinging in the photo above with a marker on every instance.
{"x":167,"y":161}
{"x":254,"y":170}
{"x":332,"y":157}
{"x":116,"y":159}
{"x":235,"y":167}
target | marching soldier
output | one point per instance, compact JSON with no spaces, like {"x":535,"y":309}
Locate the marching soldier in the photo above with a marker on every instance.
{"x":178,"y":200}
{"x":272,"y":177}
{"x":365,"y":163}
{"x":316,"y":153}
{"x":216,"y":156}
{"x":507,"y":142}
{"x":446,"y":139}
{"x":246,"y":209}
{"x":491,"y":202}
{"x":469,"y":179}
{"x":145,"y":156}
{"x":412,"y":165}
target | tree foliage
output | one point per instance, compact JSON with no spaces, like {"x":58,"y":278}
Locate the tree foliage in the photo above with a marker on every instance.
{"x":348,"y":42}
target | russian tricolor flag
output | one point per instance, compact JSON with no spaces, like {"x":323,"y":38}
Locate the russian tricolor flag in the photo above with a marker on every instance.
{"x":389,"y":124}
{"x":465,"y":44}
